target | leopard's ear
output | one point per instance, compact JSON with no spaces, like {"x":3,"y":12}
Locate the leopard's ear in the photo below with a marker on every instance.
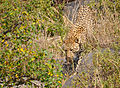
{"x":63,"y":41}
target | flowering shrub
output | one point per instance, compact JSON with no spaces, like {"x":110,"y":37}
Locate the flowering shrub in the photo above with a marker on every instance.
{"x":20,"y":23}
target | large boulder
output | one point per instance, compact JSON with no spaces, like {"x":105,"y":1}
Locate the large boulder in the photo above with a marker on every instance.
{"x":87,"y":70}
{"x":85,"y":65}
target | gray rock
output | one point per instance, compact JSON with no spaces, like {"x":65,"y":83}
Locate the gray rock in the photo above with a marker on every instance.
{"x":70,"y":82}
{"x":85,"y":65}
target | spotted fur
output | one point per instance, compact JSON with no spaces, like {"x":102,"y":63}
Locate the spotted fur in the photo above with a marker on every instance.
{"x":76,"y":36}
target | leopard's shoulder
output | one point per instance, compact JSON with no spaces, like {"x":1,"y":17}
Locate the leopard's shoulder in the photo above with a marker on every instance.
{"x":74,"y":37}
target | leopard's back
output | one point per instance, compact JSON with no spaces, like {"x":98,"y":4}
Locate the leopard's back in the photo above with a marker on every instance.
{"x":85,"y":19}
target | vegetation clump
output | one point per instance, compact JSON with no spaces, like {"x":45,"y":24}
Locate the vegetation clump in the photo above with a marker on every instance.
{"x":21,"y":22}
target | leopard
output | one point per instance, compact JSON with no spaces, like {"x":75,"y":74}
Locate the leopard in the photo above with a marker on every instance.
{"x":81,"y":32}
{"x":72,"y":45}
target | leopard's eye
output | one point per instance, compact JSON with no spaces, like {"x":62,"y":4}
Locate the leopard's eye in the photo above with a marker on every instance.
{"x":76,"y":40}
{"x":71,"y":49}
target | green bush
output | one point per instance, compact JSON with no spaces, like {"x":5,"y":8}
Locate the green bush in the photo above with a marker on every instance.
{"x":20,"y":23}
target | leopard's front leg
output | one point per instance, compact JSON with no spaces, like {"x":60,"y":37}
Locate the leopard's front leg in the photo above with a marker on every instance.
{"x":69,"y":59}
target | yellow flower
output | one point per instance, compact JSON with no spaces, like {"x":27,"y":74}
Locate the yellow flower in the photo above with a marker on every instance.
{"x":37,"y":20}
{"x":22,"y":27}
{"x":35,"y":54}
{"x":10,"y":77}
{"x":39,"y":25}
{"x":15,"y":9}
{"x":9,"y":67}
{"x":43,"y":20}
{"x":57,"y":75}
{"x":5,"y":16}
{"x":25,"y":49}
{"x":3,"y":40}
{"x":30,"y":52}
{"x":30,"y":41}
{"x":45,"y":63}
{"x":11,"y":13}
{"x":2,"y":86}
{"x":32,"y":59}
{"x":24,"y":12}
{"x":59,"y":82}
{"x":4,"y":24}
{"x":33,"y":23}
{"x":43,"y":54}
{"x":7,"y":45}
{"x":54,"y":67}
{"x":18,"y":49}
{"x":51,"y":74}
{"x":6,"y":42}
{"x":48,"y":73}
{"x":65,"y":74}
{"x":2,"y":20}
{"x":22,"y":49}
{"x":5,"y":62}
{"x":61,"y":74}
{"x":16,"y":76}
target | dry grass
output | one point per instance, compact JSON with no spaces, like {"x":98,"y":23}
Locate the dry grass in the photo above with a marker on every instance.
{"x":51,"y":44}
{"x":105,"y":27}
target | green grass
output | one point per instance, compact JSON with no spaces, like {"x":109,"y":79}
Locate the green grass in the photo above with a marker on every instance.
{"x":20,"y":55}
